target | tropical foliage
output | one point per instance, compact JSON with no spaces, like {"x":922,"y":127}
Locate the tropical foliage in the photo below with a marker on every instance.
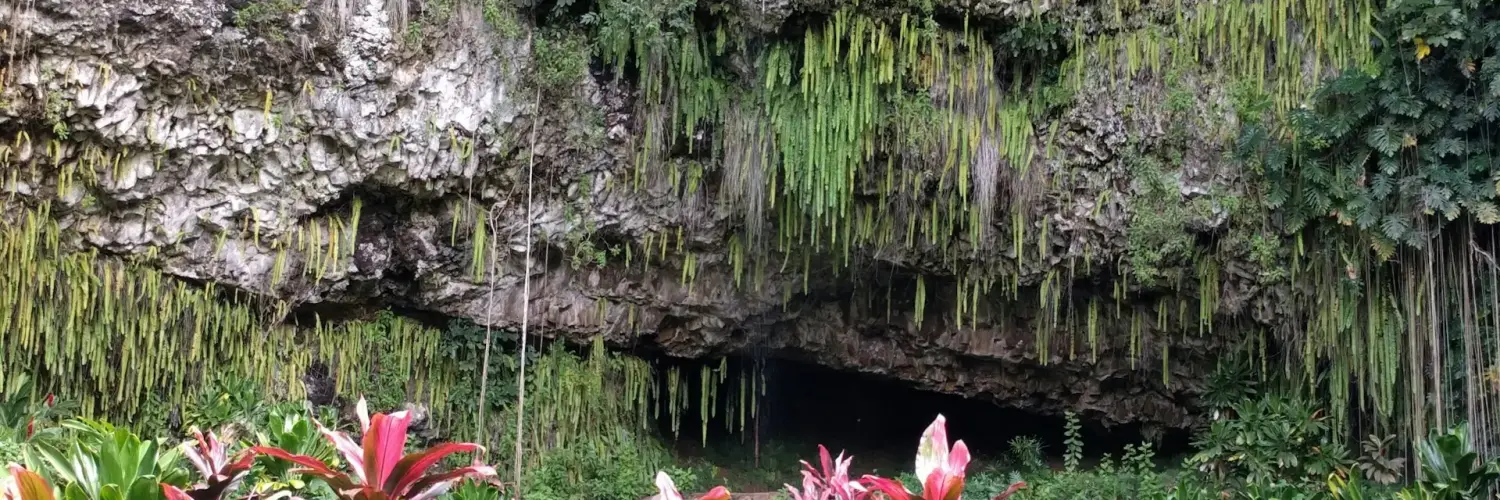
{"x":381,"y":467}
{"x":98,"y":461}
{"x":217,"y":473}
{"x":939,"y":469}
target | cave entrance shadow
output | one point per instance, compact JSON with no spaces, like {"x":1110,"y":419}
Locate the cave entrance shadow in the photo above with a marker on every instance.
{"x":878,"y":420}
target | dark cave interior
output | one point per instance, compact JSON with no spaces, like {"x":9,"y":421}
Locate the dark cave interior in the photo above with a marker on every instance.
{"x":878,"y":420}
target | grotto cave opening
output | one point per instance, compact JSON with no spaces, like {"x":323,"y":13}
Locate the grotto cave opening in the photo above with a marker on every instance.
{"x":876,"y":419}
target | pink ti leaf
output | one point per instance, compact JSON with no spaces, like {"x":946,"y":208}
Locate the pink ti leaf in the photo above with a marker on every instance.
{"x":346,"y":446}
{"x":941,"y":470}
{"x":432,"y":486}
{"x":384,"y":444}
{"x":666,"y":489}
{"x":890,"y":487}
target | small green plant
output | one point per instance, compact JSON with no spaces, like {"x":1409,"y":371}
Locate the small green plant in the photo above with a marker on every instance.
{"x":988,"y":484}
{"x":1027,"y":453}
{"x":292,"y":431}
{"x":1157,"y":234}
{"x":1073,"y":441}
{"x":559,"y":60}
{"x":226,"y":400}
{"x":54,"y":111}
{"x":11,"y":446}
{"x":267,"y":18}
{"x":478,"y":490}
{"x":1139,"y":459}
{"x":1230,"y":383}
{"x":501,"y":16}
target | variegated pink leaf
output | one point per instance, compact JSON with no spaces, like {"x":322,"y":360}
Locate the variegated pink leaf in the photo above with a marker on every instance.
{"x":384,"y":445}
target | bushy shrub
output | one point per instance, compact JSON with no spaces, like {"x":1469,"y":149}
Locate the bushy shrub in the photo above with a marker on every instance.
{"x":619,"y":470}
{"x":1270,"y":439}
{"x":1027,"y":453}
{"x":225,"y":400}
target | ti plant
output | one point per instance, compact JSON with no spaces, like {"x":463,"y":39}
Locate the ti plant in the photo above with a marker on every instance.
{"x":830,"y":483}
{"x":667,"y":490}
{"x":1377,"y":464}
{"x":941,"y":470}
{"x":1451,"y":469}
{"x":381,"y":469}
{"x":220,"y":475}
{"x":23,"y":484}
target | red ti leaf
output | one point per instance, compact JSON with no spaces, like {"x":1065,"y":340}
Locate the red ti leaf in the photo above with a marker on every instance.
{"x":384,"y":444}
{"x":173,"y":493}
{"x":890,"y":487}
{"x":1014,"y":487}
{"x":718,"y":493}
{"x":310,"y":466}
{"x":411,"y":468}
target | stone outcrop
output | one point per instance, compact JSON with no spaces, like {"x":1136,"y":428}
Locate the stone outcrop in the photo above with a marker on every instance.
{"x":219,"y":138}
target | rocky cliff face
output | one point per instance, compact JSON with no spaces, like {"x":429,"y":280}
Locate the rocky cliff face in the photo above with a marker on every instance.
{"x":223,"y":142}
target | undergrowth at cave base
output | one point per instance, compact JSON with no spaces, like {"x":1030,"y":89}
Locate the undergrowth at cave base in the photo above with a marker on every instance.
{"x":1274,"y":446}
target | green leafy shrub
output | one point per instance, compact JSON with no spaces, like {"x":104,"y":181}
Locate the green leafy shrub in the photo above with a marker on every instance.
{"x":462,"y":345}
{"x":225,"y":400}
{"x":1452,"y":469}
{"x":1072,"y":441}
{"x":1027,"y":453}
{"x":559,"y":60}
{"x":1232,"y":381}
{"x":618,"y":470}
{"x":1270,"y":439}
{"x":477,"y":490}
{"x":1091,"y":485}
{"x":11,"y":446}
{"x":989,"y":484}
{"x":267,"y":18}
{"x":294,"y":432}
{"x":98,"y":461}
{"x":1406,"y":138}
